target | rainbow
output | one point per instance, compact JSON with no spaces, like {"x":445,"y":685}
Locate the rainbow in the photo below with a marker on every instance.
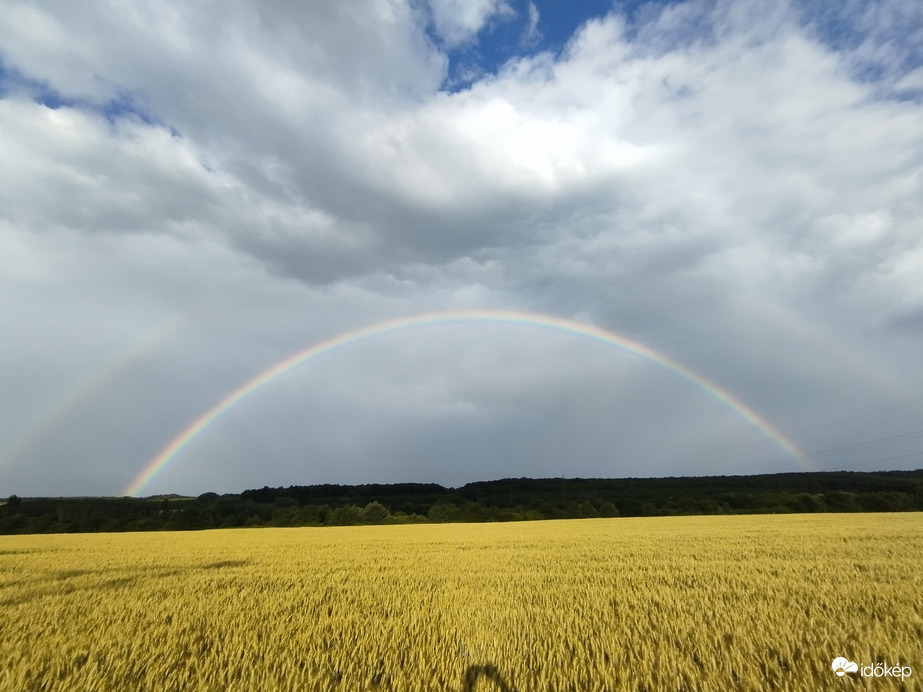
{"x":514,"y":318}
{"x":69,"y":401}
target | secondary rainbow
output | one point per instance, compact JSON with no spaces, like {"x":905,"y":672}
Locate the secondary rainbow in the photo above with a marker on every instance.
{"x":514,"y":318}
{"x":70,"y":400}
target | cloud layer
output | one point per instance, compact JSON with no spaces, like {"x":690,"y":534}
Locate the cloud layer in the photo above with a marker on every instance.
{"x":190,"y":194}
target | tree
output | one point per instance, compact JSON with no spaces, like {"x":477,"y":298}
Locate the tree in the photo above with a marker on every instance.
{"x":608,"y":509}
{"x":374,"y":513}
{"x":348,"y":515}
{"x":443,"y":512}
{"x":583,"y":510}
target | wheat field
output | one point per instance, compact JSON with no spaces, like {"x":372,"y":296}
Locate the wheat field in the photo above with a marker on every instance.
{"x":668,"y":603}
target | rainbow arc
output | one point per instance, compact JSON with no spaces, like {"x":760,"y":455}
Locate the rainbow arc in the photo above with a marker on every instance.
{"x":514,"y":318}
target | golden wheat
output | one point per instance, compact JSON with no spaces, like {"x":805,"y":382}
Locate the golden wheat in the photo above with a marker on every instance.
{"x":673,"y":603}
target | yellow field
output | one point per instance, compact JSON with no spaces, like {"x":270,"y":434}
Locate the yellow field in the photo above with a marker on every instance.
{"x":671,"y":603}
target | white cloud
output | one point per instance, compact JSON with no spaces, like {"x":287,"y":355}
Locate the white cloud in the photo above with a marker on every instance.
{"x":74,"y":169}
{"x":531,"y":33}
{"x":459,"y":21}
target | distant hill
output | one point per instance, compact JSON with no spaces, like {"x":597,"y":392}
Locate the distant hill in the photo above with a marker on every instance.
{"x":508,"y":499}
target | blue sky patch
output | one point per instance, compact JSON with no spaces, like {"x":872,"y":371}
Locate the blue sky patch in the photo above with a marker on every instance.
{"x":122,"y":106}
{"x":894,"y":33}
{"x":511,"y":36}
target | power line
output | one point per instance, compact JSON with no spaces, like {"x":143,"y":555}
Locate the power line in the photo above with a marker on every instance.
{"x":901,"y":437}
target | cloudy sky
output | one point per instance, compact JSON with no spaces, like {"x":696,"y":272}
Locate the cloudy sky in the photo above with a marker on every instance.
{"x":192,"y":192}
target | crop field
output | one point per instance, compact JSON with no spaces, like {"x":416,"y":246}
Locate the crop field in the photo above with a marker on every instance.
{"x":671,"y":603}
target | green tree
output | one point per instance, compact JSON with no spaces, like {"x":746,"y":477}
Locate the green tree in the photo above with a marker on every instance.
{"x":443,"y":512}
{"x":608,"y":509}
{"x":374,"y":513}
{"x":583,"y":510}
{"x":348,"y":515}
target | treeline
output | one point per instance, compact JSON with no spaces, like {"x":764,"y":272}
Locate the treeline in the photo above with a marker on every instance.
{"x":512,"y":499}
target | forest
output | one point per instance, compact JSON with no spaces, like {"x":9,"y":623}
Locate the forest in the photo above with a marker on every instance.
{"x":509,"y":499}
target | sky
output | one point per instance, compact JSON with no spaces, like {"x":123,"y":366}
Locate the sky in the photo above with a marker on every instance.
{"x":727,"y":194}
